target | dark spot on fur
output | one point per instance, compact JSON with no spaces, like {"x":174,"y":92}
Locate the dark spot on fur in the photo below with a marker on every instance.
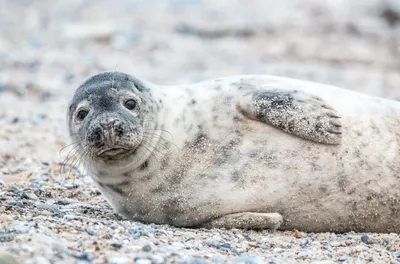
{"x":235,"y":176}
{"x":159,"y":189}
{"x":253,"y":154}
{"x":342,"y":182}
{"x":164,"y":163}
{"x":217,"y":88}
{"x":227,"y":100}
{"x":147,"y":177}
{"x":193,"y":102}
{"x":144,"y":165}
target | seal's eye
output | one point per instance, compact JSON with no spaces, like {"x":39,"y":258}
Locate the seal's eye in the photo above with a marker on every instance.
{"x":130,"y":104}
{"x":82,"y":114}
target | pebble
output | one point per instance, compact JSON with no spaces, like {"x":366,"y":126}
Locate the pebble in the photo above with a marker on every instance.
{"x":29,"y":196}
{"x":335,"y":244}
{"x":91,"y":231}
{"x":146,"y":248}
{"x":143,"y":261}
{"x":116,"y":245}
{"x":298,"y":234}
{"x":63,"y":202}
{"x":278,"y":250}
{"x":344,"y":258}
{"x":364,"y":238}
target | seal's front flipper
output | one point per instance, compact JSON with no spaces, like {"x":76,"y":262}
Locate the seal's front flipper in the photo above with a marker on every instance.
{"x":247,"y":220}
{"x":296,"y":113}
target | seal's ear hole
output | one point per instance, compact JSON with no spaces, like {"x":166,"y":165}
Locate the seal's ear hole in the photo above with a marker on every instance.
{"x":130,"y":104}
{"x":82,"y":114}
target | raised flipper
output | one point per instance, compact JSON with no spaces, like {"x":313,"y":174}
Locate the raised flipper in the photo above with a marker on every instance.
{"x":247,"y":220}
{"x":295,"y":112}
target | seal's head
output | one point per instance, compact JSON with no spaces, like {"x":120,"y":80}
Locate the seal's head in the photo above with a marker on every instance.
{"x":108,"y":117}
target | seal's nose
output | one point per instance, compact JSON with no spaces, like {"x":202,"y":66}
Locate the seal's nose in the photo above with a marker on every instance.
{"x":112,"y":127}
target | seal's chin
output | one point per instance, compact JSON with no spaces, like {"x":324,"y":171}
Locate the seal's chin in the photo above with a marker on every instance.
{"x":114,"y":153}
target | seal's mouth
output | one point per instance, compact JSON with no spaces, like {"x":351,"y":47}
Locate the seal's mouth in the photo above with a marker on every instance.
{"x":114,"y":153}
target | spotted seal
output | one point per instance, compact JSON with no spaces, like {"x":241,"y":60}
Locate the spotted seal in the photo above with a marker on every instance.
{"x":250,"y":151}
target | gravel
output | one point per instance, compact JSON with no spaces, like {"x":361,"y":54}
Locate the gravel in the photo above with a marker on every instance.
{"x":49,"y":210}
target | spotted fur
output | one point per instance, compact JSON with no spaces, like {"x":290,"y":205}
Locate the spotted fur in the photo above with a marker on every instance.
{"x":215,"y":152}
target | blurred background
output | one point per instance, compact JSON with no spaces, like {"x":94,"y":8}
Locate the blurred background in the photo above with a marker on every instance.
{"x":48,"y":47}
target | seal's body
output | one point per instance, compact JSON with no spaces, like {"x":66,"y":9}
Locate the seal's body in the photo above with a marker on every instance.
{"x":241,"y":152}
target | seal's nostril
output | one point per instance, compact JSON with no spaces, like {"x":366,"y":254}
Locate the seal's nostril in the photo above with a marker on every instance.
{"x":96,"y":136}
{"x":119,"y":131}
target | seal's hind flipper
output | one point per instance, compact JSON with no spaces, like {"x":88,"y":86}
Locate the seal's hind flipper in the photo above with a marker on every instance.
{"x":247,"y":220}
{"x":296,"y":113}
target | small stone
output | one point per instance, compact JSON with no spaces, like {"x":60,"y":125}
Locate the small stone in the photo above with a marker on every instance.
{"x":364,"y":238}
{"x":304,"y":242}
{"x":335,"y":244}
{"x":43,"y":193}
{"x":116,"y":245}
{"x":83,"y":256}
{"x":143,"y":261}
{"x":146,"y":248}
{"x":298,"y":234}
{"x":63,"y":202}
{"x":323,"y":262}
{"x":344,"y":258}
{"x":91,"y":231}
{"x":278,"y":250}
{"x":226,"y":245}
{"x":29,"y":196}
{"x":327,"y":253}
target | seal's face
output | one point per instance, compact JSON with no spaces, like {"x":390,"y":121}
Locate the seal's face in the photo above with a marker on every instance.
{"x":107,"y":117}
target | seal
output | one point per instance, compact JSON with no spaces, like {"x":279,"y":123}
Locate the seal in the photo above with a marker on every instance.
{"x":247,"y":151}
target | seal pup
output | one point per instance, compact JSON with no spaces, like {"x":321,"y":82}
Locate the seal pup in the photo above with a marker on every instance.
{"x":252,"y":151}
